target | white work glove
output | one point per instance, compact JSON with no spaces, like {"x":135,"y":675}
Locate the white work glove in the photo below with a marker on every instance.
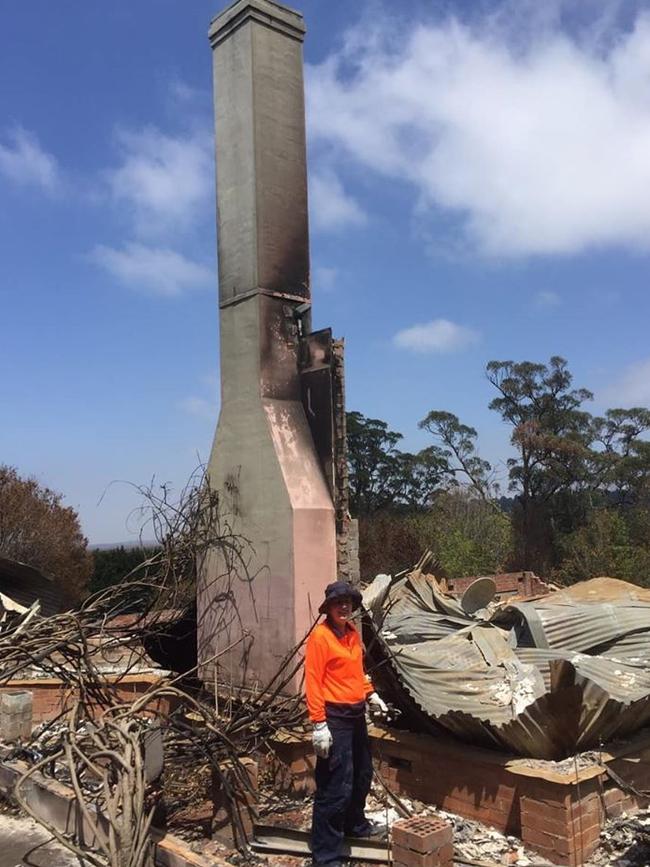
{"x":378,"y":707}
{"x":321,"y":739}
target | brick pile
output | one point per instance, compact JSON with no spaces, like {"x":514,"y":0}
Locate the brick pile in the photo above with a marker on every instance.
{"x":422,"y":841}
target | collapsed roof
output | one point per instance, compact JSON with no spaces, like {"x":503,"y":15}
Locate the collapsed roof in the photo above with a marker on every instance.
{"x":25,"y":584}
{"x":544,"y":678}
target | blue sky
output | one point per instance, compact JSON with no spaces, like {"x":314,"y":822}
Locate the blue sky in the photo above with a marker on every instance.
{"x":479,"y":189}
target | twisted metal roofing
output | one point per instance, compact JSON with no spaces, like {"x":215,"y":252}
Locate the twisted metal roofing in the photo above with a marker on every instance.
{"x":542,"y":678}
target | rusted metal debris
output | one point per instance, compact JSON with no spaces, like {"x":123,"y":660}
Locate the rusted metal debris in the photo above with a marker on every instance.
{"x":544,"y":678}
{"x":270,"y":839}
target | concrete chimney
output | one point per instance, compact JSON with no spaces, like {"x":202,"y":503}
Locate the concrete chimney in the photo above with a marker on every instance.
{"x":264,"y":462}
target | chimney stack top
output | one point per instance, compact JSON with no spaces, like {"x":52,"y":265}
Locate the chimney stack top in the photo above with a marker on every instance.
{"x":266,"y":12}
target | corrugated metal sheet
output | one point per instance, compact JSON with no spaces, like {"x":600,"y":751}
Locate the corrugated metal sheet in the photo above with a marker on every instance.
{"x":575,"y":626}
{"x":25,"y":584}
{"x":524,"y":677}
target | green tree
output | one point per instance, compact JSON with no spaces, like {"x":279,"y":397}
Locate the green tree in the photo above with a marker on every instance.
{"x":372,"y":450}
{"x":470,"y":535}
{"x":580,"y":485}
{"x":390,"y":542}
{"x":622,"y":466}
{"x":383,"y":477}
{"x":37,"y":529}
{"x":467,"y":535}
{"x":110,"y":565}
{"x":603,"y":546}
{"x":552,"y":436}
{"x":459,"y":449}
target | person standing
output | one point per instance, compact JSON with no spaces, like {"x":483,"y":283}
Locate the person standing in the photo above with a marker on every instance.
{"x":337,"y":691}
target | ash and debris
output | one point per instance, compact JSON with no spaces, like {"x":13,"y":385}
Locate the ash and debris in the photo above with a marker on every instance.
{"x":579,"y":762}
{"x":624,"y":842}
{"x":188,"y":800}
{"x":8,"y":807}
{"x":473,"y":841}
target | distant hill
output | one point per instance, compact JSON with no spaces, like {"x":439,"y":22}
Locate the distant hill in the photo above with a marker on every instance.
{"x":108,"y":546}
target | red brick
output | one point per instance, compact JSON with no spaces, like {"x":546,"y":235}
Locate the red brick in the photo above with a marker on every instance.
{"x":576,"y":826}
{"x":574,"y":846}
{"x":557,"y":858}
{"x":409,"y":858}
{"x":588,"y":810}
{"x":617,"y":810}
{"x":462,"y":808}
{"x":422,"y":834}
{"x":496,"y":819}
{"x":387,"y":773}
{"x":533,"y":808}
{"x":586,"y":816}
{"x":587,"y":842}
{"x":545,"y":792}
{"x":536,"y":838}
{"x":612,"y":797}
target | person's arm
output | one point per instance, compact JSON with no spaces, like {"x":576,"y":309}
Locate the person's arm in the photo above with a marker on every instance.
{"x":315,"y":662}
{"x":367,"y":681}
{"x":375,"y":701}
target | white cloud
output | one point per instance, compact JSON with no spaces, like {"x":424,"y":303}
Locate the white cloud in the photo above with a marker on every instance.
{"x":203,"y":407}
{"x":330,"y":207}
{"x":165,"y":182}
{"x":537,"y":143}
{"x":155,"y":270}
{"x":324,"y":278}
{"x":632,"y":388}
{"x":547,"y":300}
{"x":200,"y":407}
{"x":182,"y":93}
{"x":440,"y":335}
{"x":23,"y":160}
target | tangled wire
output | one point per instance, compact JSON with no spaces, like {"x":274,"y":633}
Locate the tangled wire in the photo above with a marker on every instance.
{"x":98,"y":744}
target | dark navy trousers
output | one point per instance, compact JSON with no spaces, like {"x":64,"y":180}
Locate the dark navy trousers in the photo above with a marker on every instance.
{"x":342,"y":783}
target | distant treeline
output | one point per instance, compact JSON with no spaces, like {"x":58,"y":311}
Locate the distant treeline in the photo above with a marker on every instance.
{"x":110,"y":565}
{"x":577,"y":502}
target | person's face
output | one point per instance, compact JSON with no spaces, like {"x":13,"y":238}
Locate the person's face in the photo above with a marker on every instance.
{"x":340,"y":610}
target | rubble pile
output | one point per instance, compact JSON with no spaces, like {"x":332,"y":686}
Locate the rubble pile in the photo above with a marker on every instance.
{"x":473,"y":841}
{"x":476,"y":842}
{"x":625,"y":841}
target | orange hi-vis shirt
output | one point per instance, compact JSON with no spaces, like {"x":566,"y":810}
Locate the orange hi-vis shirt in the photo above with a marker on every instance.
{"x":334,"y":670}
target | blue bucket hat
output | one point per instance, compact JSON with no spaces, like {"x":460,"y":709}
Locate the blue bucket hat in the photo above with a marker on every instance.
{"x":338,"y":589}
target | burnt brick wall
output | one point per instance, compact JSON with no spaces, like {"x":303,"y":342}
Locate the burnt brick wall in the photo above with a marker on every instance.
{"x":508,"y":584}
{"x":347,"y":530}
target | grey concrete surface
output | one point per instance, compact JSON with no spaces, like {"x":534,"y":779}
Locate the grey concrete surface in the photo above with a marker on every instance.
{"x":273,"y":490}
{"x":263,"y":236}
{"x":23,"y":843}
